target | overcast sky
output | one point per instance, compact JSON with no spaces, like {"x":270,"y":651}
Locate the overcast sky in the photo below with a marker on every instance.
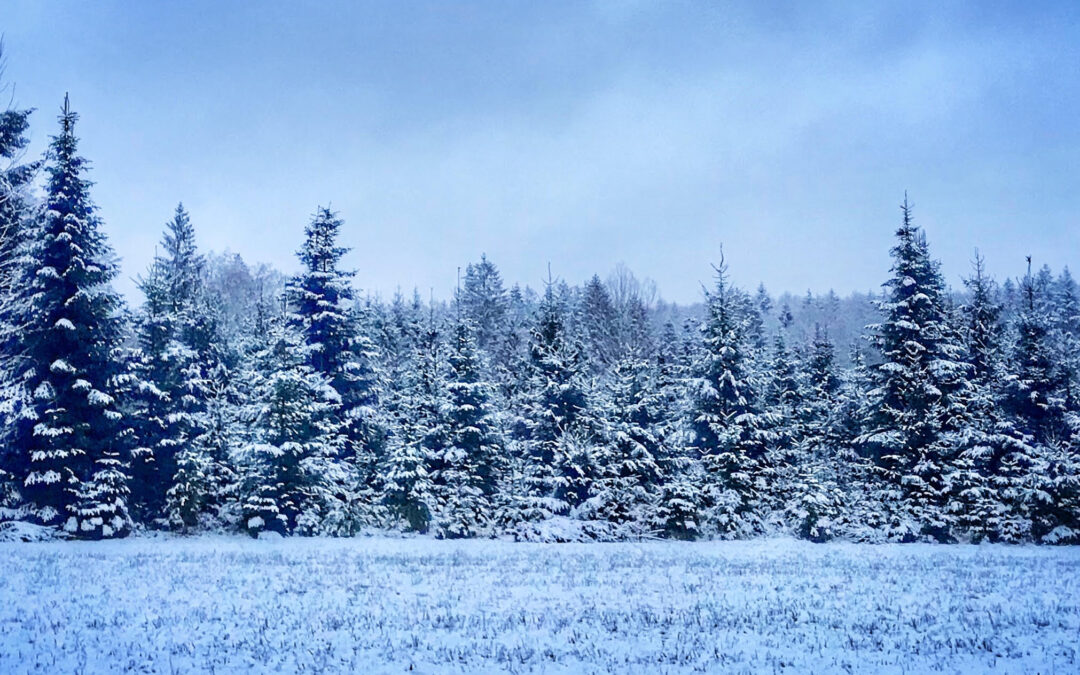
{"x":578,"y":133}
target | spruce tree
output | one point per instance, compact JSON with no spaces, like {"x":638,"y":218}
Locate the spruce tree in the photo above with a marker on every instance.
{"x":414,"y":472}
{"x":558,"y":466}
{"x":919,"y":390}
{"x":293,"y":473}
{"x":813,"y":479}
{"x":17,"y":227}
{"x":473,"y":462}
{"x":600,"y":325}
{"x":339,"y":348}
{"x":178,"y":344}
{"x":484,"y":301}
{"x":70,"y":338}
{"x":730,"y":433}
{"x":634,"y":444}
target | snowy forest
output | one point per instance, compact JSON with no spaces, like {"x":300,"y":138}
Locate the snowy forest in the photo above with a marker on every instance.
{"x":238,"y":398}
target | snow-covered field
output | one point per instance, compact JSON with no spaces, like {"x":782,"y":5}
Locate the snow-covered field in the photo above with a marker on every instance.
{"x":373,"y":605}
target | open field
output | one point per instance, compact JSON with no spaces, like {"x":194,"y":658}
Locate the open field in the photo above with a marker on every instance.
{"x":219,"y":604}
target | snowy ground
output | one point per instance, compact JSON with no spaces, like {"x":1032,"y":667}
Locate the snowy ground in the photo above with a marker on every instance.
{"x":374,"y":605}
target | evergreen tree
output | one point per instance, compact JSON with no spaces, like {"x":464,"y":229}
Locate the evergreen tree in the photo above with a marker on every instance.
{"x":293,"y":476}
{"x":17,"y":232}
{"x":205,"y":483}
{"x":416,"y":463}
{"x":338,"y":347}
{"x":319,"y":299}
{"x":484,"y":301}
{"x":729,"y":431}
{"x":1034,"y":385}
{"x":471,"y":475}
{"x":635,"y":415}
{"x":600,"y":324}
{"x":72,"y":431}
{"x":919,"y":389}
{"x":558,"y":465}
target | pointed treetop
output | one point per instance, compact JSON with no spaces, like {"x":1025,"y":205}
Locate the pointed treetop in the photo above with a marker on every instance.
{"x":68,"y":117}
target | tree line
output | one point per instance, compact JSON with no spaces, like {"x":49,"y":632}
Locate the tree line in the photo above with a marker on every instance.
{"x":241,"y":399}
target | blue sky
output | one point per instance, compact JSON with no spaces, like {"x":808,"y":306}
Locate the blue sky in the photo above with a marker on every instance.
{"x":580,"y":133}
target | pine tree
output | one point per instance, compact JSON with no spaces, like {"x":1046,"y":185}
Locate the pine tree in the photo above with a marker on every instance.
{"x":730,"y":433}
{"x":70,"y":337}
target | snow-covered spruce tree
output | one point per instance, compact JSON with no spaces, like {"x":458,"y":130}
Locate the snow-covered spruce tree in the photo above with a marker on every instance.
{"x":812,"y":480}
{"x":413,"y":471}
{"x":730,"y":433}
{"x":678,"y":511}
{"x":1035,"y":428}
{"x":483,"y":299}
{"x":17,"y":227}
{"x":633,"y":414}
{"x":1033,"y":385}
{"x":558,"y":469}
{"x":782,"y":398}
{"x":204,"y":487}
{"x":1066,"y":336}
{"x":473,"y":461}
{"x":974,"y":504}
{"x":510,"y":366}
{"x":600,"y":326}
{"x":339,"y":348}
{"x":70,"y":335}
{"x":919,"y":392}
{"x":292,"y":473}
{"x":177,"y":346}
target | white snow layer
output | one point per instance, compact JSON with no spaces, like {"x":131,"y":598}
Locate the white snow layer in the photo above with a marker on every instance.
{"x":379,"y":605}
